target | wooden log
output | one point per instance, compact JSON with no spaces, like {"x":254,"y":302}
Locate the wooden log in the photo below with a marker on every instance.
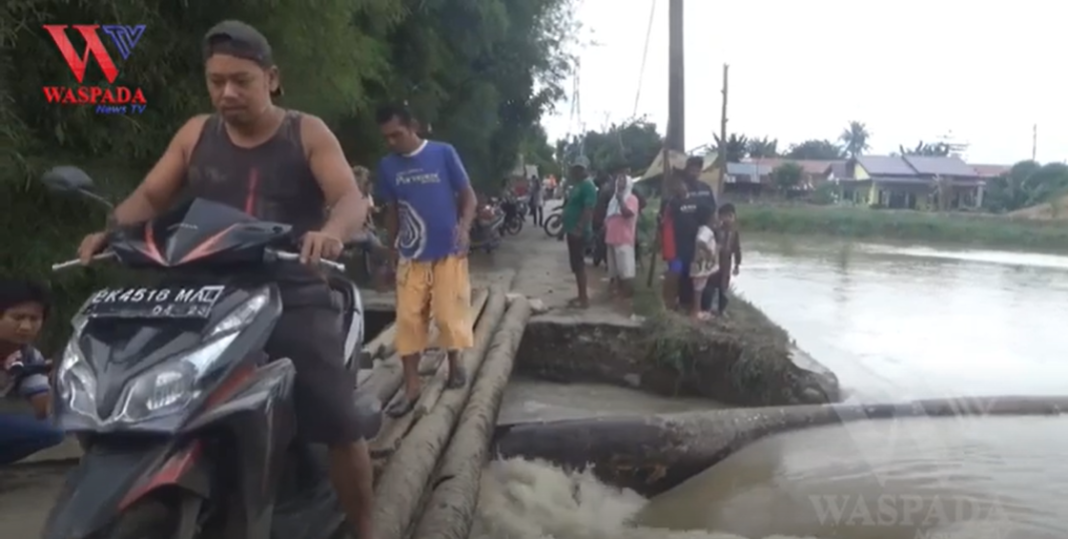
{"x":404,"y":477}
{"x":394,"y":429}
{"x":449,"y":511}
{"x":653,"y":454}
{"x":388,"y":375}
{"x":381,"y":347}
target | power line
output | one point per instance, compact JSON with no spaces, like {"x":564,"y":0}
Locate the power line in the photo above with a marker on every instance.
{"x":645,"y":55}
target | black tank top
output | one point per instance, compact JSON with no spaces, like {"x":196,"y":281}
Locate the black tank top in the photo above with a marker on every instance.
{"x":273,"y":182}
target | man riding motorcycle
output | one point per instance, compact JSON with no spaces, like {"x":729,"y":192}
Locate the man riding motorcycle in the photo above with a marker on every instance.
{"x":283,"y":166}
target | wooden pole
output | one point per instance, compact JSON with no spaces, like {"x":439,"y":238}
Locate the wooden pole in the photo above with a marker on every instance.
{"x":676,"y":128}
{"x":721,"y":155}
{"x":654,"y":251}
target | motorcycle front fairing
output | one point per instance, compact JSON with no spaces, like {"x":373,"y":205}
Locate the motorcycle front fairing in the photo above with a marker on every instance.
{"x":151,"y":396}
{"x":197,"y":233}
{"x":254,"y":425}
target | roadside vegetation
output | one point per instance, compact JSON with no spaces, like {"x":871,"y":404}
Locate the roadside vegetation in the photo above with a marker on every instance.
{"x":974,"y":229}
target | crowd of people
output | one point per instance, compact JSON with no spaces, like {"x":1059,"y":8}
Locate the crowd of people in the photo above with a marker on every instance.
{"x":699,"y":242}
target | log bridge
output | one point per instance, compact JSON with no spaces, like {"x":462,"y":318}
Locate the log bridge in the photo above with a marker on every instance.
{"x":428,"y":463}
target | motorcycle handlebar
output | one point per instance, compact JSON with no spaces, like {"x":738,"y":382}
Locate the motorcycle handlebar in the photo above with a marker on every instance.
{"x":76,"y":262}
{"x":279,"y":255}
{"x":291,"y":256}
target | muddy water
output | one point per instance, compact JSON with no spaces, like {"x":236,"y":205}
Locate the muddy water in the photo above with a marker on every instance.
{"x":895,"y":322}
{"x":902,"y":322}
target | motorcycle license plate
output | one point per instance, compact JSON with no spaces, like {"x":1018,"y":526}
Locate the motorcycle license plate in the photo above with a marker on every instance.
{"x":142,"y":302}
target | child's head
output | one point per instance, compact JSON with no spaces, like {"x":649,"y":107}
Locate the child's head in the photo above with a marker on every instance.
{"x":705,"y":215}
{"x":677,"y":187}
{"x":726,"y":214}
{"x":23,"y":309}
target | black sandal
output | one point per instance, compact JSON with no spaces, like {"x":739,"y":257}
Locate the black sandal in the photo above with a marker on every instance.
{"x":401,"y":406}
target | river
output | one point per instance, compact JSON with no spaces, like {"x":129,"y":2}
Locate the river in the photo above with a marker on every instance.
{"x":895,"y":322}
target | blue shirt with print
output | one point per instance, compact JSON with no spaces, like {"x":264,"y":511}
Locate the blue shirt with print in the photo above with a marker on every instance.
{"x":424,"y":185}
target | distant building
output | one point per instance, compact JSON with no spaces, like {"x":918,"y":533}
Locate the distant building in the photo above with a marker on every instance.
{"x":911,"y":182}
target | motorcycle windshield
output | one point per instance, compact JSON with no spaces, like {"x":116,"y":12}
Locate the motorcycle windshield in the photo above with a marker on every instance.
{"x":197,"y":231}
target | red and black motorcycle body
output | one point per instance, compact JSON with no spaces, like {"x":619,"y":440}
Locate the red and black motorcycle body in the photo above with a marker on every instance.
{"x":174,"y":399}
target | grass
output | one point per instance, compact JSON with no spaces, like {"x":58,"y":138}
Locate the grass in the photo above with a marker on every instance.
{"x":867,"y":223}
{"x":746,"y":343}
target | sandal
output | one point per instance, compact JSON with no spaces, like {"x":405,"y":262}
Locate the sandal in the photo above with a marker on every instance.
{"x":401,"y":406}
{"x":576,"y":303}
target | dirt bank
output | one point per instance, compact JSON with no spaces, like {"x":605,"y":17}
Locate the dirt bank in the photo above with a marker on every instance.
{"x":642,"y":356}
{"x":744,"y":360}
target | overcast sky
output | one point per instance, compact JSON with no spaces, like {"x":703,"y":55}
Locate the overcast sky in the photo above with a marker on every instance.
{"x":982,"y":72}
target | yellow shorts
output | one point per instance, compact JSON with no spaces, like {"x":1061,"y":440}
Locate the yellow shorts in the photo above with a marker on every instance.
{"x":441,"y":288}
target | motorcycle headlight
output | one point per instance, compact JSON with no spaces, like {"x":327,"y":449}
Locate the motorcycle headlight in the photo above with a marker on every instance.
{"x":171,"y":386}
{"x":162,"y":390}
{"x":76,"y":382}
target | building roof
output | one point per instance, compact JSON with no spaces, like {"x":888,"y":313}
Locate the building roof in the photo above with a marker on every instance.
{"x":840,"y":169}
{"x":815,"y":167}
{"x":940,"y":166}
{"x":750,"y":170}
{"x":885,"y":165}
{"x":991,"y":171}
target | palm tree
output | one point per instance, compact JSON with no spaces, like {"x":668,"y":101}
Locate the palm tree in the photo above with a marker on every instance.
{"x":763,"y":147}
{"x":854,"y":139}
{"x":735,"y":149}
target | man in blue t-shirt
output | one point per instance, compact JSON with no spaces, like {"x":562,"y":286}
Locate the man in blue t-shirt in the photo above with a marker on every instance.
{"x":430,"y":206}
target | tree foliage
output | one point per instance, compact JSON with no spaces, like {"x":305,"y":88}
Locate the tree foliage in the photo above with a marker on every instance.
{"x":927,"y":149}
{"x":819,"y":150}
{"x":734,"y":149}
{"x":787,"y":176}
{"x":854,"y":139}
{"x":480,"y":73}
{"x":763,"y":147}
{"x":1026,"y":184}
{"x":634,"y":145}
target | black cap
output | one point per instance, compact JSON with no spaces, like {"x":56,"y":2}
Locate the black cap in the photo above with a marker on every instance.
{"x":241,"y":40}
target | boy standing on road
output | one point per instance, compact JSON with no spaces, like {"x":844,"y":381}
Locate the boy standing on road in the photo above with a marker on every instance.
{"x":620,"y":227}
{"x":23,"y":308}
{"x":429,"y":212}
{"x":578,"y":226}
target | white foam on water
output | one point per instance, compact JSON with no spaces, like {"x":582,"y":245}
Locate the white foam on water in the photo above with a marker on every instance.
{"x":525,"y":499}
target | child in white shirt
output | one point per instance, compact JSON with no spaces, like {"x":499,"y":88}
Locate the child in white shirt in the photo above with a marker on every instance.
{"x":705,"y":260}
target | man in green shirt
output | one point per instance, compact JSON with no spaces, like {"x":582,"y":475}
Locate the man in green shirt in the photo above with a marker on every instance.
{"x":578,"y":225}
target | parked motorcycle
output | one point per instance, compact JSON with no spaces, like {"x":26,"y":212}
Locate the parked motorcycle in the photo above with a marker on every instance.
{"x":554,"y":223}
{"x":513,"y":217}
{"x":188,"y":430}
{"x":486,"y":231}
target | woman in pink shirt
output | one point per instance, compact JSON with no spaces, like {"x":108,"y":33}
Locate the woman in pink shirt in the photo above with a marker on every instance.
{"x":620,"y":227}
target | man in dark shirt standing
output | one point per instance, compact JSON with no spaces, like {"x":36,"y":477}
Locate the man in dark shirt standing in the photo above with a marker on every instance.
{"x":685,"y":222}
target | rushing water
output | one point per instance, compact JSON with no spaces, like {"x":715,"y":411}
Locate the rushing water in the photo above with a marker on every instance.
{"x":895,"y":323}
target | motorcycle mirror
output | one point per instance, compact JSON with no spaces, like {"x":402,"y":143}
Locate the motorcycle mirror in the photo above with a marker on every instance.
{"x":69,"y":179}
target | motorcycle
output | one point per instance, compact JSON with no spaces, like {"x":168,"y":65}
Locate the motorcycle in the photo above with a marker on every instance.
{"x":486,"y":231}
{"x":554,"y":223}
{"x":188,"y":430}
{"x":513,"y":217}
